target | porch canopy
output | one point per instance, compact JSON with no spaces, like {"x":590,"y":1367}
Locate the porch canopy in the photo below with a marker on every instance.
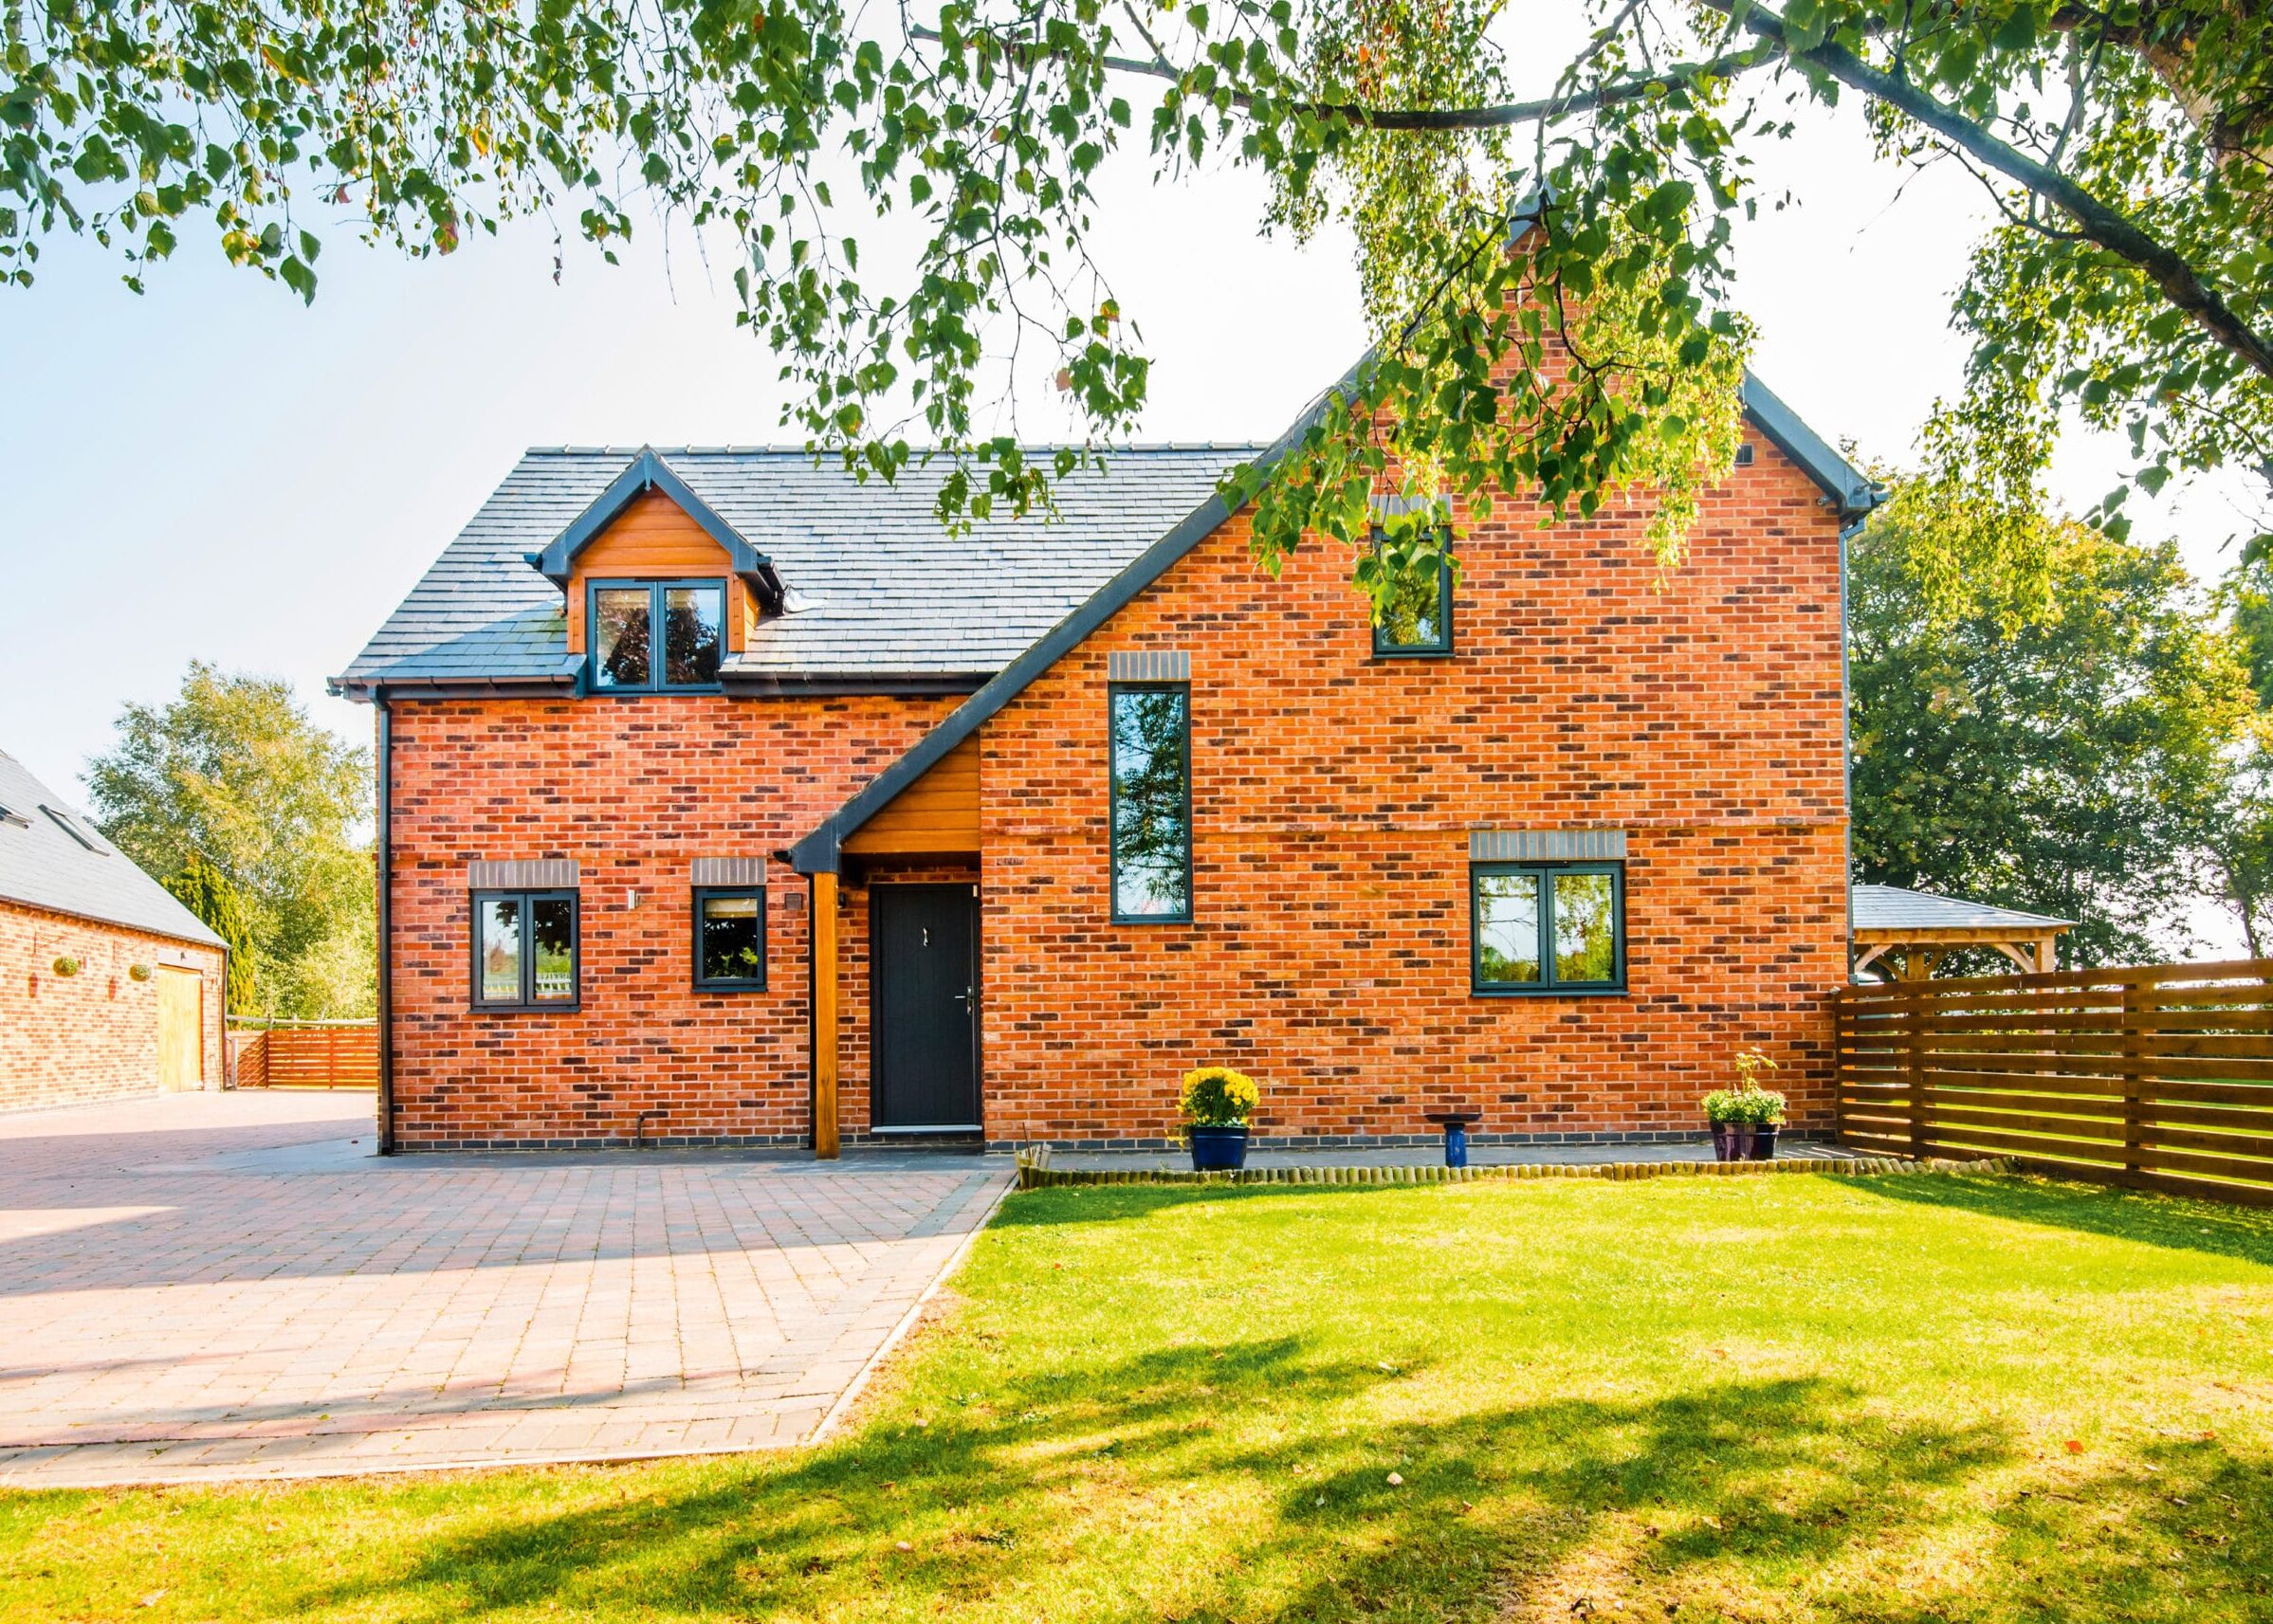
{"x":1900,"y":936}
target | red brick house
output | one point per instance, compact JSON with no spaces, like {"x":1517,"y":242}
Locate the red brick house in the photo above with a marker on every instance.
{"x":723,"y":799}
{"x":109,"y":988}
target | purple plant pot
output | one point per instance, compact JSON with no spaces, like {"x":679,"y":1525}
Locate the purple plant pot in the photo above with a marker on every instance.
{"x":1733,"y":1142}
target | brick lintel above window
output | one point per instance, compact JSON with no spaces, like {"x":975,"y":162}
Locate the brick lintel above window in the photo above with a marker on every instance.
{"x":1148,"y":665}
{"x":1546,"y":846}
{"x":523,"y":874}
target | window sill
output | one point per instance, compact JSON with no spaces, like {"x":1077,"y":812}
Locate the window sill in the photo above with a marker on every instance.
{"x":1380,"y":654}
{"x":724,"y":988}
{"x":1557,"y":992}
{"x":1152,"y":919}
{"x":525,"y":1009}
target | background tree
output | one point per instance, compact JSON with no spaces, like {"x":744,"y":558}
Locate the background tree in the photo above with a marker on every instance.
{"x":233,"y":772}
{"x":2076,"y":760}
{"x":2124,"y":142}
{"x":2242,"y":841}
{"x":206,"y":892}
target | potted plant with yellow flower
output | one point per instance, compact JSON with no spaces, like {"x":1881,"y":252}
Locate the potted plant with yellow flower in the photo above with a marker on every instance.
{"x":1214,"y":1106}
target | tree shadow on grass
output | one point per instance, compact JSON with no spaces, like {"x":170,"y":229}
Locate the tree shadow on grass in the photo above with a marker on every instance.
{"x":1200,"y":1483}
{"x":2179,"y":1222}
{"x":2183,"y":1533}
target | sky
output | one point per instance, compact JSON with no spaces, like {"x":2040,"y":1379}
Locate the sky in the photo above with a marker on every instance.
{"x":229,"y":475}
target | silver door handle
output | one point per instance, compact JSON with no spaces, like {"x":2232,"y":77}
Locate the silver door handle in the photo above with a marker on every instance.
{"x":969,"y":997}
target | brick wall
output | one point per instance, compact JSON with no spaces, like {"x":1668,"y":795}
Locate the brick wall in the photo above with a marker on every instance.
{"x":633,"y":791}
{"x":1332,"y":796}
{"x":75,"y":1039}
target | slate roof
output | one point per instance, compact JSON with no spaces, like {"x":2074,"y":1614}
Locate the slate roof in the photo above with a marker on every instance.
{"x":878,"y":588}
{"x":44,"y":863}
{"x":1891,"y":907}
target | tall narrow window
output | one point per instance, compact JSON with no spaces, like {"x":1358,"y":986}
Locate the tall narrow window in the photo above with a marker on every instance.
{"x":626,"y":658}
{"x":1151,"y":802}
{"x":729,"y":939}
{"x":524,"y":949}
{"x":1417,"y":618}
{"x":1548,"y":927}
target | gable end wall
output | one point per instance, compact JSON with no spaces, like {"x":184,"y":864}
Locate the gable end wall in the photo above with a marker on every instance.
{"x":1332,"y":798}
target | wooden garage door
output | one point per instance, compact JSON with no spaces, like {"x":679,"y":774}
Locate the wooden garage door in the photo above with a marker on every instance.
{"x":180,"y":1028}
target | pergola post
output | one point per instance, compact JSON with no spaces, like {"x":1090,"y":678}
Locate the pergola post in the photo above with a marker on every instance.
{"x":824,"y":1016}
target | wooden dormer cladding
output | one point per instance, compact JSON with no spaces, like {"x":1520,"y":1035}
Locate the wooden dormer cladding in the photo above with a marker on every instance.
{"x":655,"y":538}
{"x":935,"y":815}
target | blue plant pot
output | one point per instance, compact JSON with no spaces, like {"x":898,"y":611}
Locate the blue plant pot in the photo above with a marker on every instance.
{"x":1217,"y":1150}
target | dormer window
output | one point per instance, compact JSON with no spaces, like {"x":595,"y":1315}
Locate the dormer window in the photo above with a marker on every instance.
{"x":625,"y":653}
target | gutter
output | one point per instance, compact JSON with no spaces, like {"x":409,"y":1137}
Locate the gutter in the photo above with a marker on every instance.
{"x":366,"y":691}
{"x":384,"y":853}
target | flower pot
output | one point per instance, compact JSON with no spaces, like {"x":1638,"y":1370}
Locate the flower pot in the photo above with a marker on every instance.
{"x":1732,"y":1142}
{"x":1215,"y":1149}
{"x":1764,"y":1142}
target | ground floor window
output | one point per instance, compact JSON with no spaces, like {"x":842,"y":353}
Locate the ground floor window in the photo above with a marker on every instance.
{"x":524,"y":950}
{"x":729,"y":939}
{"x":1548,"y":927}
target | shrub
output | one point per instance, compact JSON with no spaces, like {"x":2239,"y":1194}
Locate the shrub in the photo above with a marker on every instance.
{"x":1748,"y":1102}
{"x":66,"y":965}
{"x":139,"y":972}
{"x":1217,"y":1097}
{"x":1761,"y":1106}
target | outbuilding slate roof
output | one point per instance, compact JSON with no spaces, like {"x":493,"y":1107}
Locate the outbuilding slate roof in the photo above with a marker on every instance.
{"x":878,"y":588}
{"x":43,"y":865}
{"x":1891,"y":907}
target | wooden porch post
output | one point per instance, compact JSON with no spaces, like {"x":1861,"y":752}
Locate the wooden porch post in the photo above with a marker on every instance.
{"x":824,"y":1016}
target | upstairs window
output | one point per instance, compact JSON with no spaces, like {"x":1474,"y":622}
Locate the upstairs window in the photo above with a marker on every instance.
{"x":1416,"y":619}
{"x":629,"y":657}
{"x":1151,"y":802}
{"x":1555,"y":927}
{"x":524,"y":950}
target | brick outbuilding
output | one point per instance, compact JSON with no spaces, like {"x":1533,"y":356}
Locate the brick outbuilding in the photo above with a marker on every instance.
{"x":728,"y":800}
{"x":109,"y":988}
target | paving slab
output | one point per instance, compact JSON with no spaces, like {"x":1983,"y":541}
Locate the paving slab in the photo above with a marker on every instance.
{"x":206,"y":1286}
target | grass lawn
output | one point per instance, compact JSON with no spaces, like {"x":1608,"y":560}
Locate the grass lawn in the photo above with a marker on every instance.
{"x":1922,"y":1398}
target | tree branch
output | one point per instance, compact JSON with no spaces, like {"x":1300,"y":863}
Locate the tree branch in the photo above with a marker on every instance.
{"x":2102,"y":223}
{"x":1726,"y":65}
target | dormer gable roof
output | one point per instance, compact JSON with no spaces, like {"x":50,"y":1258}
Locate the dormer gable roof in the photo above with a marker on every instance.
{"x":652,"y":471}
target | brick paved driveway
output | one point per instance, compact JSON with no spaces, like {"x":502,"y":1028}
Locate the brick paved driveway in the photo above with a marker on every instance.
{"x":223,"y":1285}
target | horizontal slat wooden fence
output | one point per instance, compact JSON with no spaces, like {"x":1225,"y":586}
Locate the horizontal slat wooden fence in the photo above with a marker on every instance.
{"x":311,"y":1054}
{"x":2159,"y":1077}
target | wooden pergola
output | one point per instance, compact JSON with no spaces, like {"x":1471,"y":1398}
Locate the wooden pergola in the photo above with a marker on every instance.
{"x":1901,"y":935}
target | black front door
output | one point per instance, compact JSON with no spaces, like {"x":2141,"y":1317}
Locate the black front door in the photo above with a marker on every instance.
{"x":925,"y":941}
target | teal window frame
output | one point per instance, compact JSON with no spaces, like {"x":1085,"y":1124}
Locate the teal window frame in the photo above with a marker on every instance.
{"x":706,"y":984}
{"x":658,"y":593}
{"x":1112,"y":798}
{"x":1443,"y":645}
{"x":526,"y":1002}
{"x":1548,"y":985}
